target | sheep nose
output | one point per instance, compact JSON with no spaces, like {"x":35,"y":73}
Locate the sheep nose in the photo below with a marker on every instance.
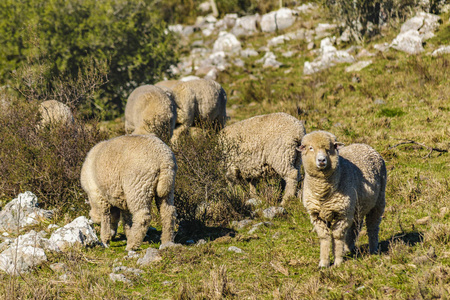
{"x":321,"y":161}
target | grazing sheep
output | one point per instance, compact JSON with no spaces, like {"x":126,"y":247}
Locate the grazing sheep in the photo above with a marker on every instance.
{"x":200,"y":100}
{"x":150,"y":109}
{"x":54,"y":112}
{"x":123,"y":175}
{"x":262,"y":143}
{"x":342,"y":185}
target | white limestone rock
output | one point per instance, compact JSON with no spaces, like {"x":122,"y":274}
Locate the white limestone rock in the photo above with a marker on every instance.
{"x":227,"y":42}
{"x":278,"y":20}
{"x":78,"y":232}
{"x":22,"y":211}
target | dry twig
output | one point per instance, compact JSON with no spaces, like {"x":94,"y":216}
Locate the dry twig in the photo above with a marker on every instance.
{"x":431,"y":149}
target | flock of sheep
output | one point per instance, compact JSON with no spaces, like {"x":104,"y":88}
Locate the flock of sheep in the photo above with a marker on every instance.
{"x":121,"y":176}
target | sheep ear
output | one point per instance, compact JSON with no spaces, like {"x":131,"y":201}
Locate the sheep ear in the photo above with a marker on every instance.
{"x":338,"y":145}
{"x":301,"y":148}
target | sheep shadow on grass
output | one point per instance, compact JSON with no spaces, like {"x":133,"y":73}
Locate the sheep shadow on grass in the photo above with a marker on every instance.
{"x":408,"y":238}
{"x":188,"y":233}
{"x":194,"y":231}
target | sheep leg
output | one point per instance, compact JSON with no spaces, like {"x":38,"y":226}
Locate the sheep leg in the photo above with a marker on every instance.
{"x":115,"y":218}
{"x":178,"y":132}
{"x":291,"y":186}
{"x":106,"y":230}
{"x":339,"y":232}
{"x":373,"y":220}
{"x":168,"y":214}
{"x":252,"y":186}
{"x":325,"y":242}
{"x":137,"y":232}
{"x":127,"y":222}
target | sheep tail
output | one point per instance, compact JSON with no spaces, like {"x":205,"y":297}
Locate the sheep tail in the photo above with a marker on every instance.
{"x":166,"y":182}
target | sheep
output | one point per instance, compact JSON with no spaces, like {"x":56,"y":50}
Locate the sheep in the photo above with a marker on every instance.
{"x":200,"y":100}
{"x":170,"y":84}
{"x":262,"y":143}
{"x":122,"y":176}
{"x":342,"y":185}
{"x":55,"y":112}
{"x":150,"y":109}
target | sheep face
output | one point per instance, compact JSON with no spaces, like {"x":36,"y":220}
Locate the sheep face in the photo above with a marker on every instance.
{"x":319,"y":153}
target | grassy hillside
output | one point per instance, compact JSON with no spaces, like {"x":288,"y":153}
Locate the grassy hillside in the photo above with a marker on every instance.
{"x":399,"y":105}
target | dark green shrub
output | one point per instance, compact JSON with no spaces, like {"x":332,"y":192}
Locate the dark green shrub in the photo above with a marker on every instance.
{"x":128,"y":33}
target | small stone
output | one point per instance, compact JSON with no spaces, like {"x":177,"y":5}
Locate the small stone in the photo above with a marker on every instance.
{"x":272,"y":212}
{"x":167,"y":282}
{"x":131,"y":255}
{"x":379,"y":101}
{"x":253,"y":202}
{"x":119,"y":277}
{"x":256,"y":226}
{"x":381,"y":47}
{"x":168,"y":245}
{"x":151,"y":255}
{"x":235,"y":249}
{"x":241,"y":224}
{"x":288,"y":54}
{"x":249,"y":53}
{"x":136,"y":272}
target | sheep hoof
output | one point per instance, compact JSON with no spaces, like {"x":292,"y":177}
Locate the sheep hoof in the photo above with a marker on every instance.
{"x":104,"y":245}
{"x":323,"y":264}
{"x":338,"y":261}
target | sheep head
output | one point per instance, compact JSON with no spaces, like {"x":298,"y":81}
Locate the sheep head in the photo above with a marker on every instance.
{"x":320,"y":154}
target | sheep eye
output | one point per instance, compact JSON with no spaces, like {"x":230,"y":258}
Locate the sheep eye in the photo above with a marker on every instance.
{"x":311,"y":148}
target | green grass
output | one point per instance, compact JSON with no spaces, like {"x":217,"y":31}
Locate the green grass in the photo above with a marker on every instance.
{"x":280,"y":261}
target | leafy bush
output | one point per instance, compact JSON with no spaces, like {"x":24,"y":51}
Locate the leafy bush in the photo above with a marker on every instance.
{"x":128,"y":33}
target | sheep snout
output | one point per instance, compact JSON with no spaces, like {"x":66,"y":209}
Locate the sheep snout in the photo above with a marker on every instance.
{"x":321,"y":161}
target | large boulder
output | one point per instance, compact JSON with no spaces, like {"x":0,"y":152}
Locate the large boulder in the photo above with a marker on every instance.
{"x":227,"y":42}
{"x":410,"y":42}
{"x":415,"y":31}
{"x":269,"y":60}
{"x":278,"y":20}
{"x":425,"y":23}
{"x":24,"y":253}
{"x":329,"y":56}
{"x":246,"y":25}
{"x":22,"y":211}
